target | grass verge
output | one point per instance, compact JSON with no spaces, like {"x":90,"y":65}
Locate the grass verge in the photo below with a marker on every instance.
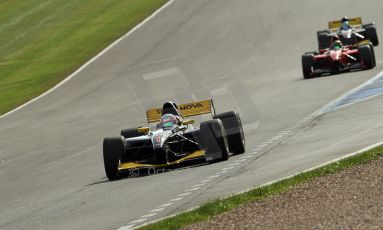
{"x":216,"y":207}
{"x":42,"y":42}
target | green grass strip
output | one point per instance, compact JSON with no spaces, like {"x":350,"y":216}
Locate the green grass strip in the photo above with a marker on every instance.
{"x":42,"y":42}
{"x":216,"y":207}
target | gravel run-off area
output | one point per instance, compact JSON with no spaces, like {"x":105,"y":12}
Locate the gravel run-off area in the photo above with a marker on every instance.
{"x":349,"y":199}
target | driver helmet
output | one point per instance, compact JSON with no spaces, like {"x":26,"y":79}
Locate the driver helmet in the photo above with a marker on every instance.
{"x":345,"y":23}
{"x":169,"y":121}
{"x":336,"y":45}
{"x":344,"y":19}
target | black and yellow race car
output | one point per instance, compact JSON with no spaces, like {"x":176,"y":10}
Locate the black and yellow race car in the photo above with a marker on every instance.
{"x":173,"y":139}
{"x":350,"y":31}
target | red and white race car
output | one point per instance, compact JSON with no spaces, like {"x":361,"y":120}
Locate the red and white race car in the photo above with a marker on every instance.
{"x":338,"y":59}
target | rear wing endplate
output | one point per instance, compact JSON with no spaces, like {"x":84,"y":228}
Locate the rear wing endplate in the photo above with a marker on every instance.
{"x":355,"y":23}
{"x":187,"y":110}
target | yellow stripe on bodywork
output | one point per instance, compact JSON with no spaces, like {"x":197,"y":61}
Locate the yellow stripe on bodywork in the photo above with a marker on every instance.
{"x":355,"y":23}
{"x":133,"y":165}
{"x":187,"y":110}
{"x":364,"y":42}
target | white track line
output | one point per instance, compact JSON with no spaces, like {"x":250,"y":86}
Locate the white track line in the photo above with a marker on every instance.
{"x":91,"y":60}
{"x":157,"y":210}
{"x":138,"y":221}
{"x":198,"y":185}
{"x":241,"y":160}
{"x":176,"y":199}
{"x":165,"y":205}
{"x":148,"y":215}
{"x":184,"y":194}
{"x":192,"y":189}
{"x":228,"y":168}
{"x":213,"y":177}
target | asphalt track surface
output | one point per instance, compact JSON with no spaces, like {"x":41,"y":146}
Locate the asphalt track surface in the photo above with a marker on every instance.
{"x":245,"y":55}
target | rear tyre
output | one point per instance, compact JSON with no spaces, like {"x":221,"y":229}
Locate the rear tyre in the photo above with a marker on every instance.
{"x":214,"y":140}
{"x":113,"y":149}
{"x":324,"y":40}
{"x":370,"y":32}
{"x":234,"y":131}
{"x":307,"y":65}
{"x":312,"y":52}
{"x":323,"y":32}
{"x":129,"y":133}
{"x":365,"y":55}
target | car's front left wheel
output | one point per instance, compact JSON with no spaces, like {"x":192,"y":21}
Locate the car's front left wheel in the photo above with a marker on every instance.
{"x":365,"y":55}
{"x":113,"y":149}
{"x":214,"y":140}
{"x":307,"y":65}
{"x":234,"y":131}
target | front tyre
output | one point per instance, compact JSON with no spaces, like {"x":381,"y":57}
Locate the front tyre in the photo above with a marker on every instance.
{"x":373,"y":54}
{"x":307,"y":65}
{"x":234,"y":131}
{"x":214,"y":140}
{"x":113,"y":149}
{"x":365,"y":54}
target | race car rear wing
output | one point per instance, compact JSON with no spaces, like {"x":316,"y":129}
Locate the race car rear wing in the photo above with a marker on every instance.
{"x":187,"y":110}
{"x":355,"y":23}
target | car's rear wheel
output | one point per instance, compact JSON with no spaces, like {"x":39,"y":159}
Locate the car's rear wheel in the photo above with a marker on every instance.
{"x":307,"y":65}
{"x":312,"y":52}
{"x":324,"y":40}
{"x":129,"y":133}
{"x":214,"y":140}
{"x":366,"y":56}
{"x":234,"y":131}
{"x":323,"y":32}
{"x":113,"y":149}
